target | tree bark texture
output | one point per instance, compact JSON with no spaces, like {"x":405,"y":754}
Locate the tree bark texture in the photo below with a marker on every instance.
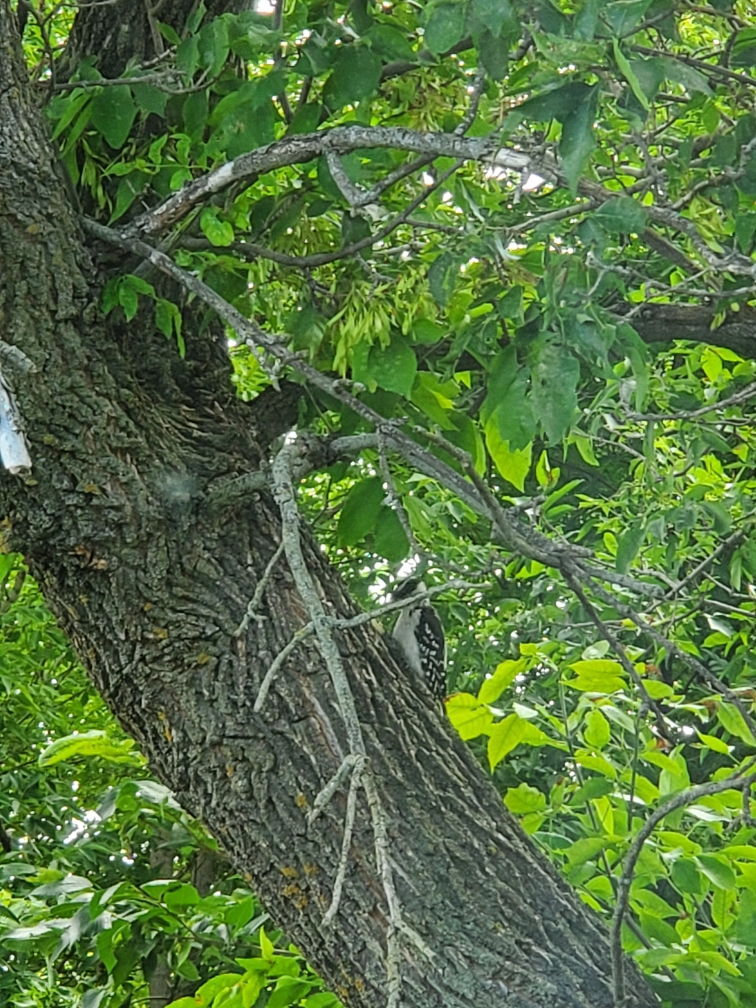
{"x":113,"y":34}
{"x":150,"y":584}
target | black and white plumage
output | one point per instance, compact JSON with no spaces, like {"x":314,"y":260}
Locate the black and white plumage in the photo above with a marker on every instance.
{"x":420,"y":636}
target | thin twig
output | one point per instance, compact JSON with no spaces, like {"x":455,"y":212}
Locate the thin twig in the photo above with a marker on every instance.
{"x":324,"y":796}
{"x":346,"y":842}
{"x":254,"y":602}
{"x":744,"y":394}
{"x":276,"y":664}
{"x":628,"y":869}
{"x":394,"y":500}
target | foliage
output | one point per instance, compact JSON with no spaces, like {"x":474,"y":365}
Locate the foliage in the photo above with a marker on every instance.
{"x":100,"y":890}
{"x":507,"y":317}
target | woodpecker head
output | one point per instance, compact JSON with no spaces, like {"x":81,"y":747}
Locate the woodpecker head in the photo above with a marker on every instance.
{"x":412,"y":585}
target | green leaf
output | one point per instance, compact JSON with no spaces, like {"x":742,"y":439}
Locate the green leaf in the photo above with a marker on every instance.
{"x":504,"y":737}
{"x":468,"y":715}
{"x":442,"y":276}
{"x":555,"y":378}
{"x":578,"y":138}
{"x":514,"y":416}
{"x":687,"y":877}
{"x":112,"y":114}
{"x":586,"y":19}
{"x":717,"y":870}
{"x":359,"y":513}
{"x":743,"y":51}
{"x":62,"y":887}
{"x":425,"y":330}
{"x":219,"y":232}
{"x":393,"y":367}
{"x":494,"y":14}
{"x":208,"y":991}
{"x":355,"y":76}
{"x":558,"y":103}
{"x":585,"y":850}
{"x":733,"y":721}
{"x":624,"y":15}
{"x":596,"y":732}
{"x":629,"y":74}
{"x":266,"y":946}
{"x":714,"y":743}
{"x":494,"y":54}
{"x":149,"y":98}
{"x":390,"y":539}
{"x":306,"y":118}
{"x":514,"y":466}
{"x":90,"y":743}
{"x":621,"y":215}
{"x":628,"y":544}
{"x":524,"y":799}
{"x":745,"y":925}
{"x":73,"y":105}
{"x":504,"y":675}
{"x":288,"y":991}
{"x":690,"y":78}
{"x":389,"y":42}
{"x":599,"y":675}
{"x":445,"y":27}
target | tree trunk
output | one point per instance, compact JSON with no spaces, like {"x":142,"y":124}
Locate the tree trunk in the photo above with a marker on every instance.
{"x":150,"y":583}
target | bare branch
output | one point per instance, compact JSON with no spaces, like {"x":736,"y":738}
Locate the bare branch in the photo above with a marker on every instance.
{"x":262,"y":584}
{"x":300,"y":148}
{"x":346,"y":843}
{"x":276,"y":664}
{"x":677,"y":801}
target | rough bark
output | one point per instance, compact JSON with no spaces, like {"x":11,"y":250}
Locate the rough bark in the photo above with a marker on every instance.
{"x":661,"y":323}
{"x":150,"y":585}
{"x":127,"y":30}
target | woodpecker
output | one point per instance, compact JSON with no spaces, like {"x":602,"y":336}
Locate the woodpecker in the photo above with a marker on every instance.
{"x":420,"y":635}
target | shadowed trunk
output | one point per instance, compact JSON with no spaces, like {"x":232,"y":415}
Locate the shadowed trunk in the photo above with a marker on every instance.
{"x":151,"y":583}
